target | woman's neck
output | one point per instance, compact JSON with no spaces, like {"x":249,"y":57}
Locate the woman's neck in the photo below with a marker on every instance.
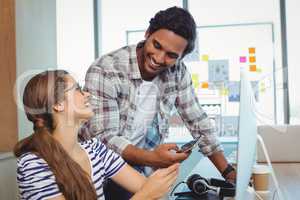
{"x":67,"y":135}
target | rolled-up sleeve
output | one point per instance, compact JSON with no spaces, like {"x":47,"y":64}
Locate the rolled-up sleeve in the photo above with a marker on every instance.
{"x":194,"y":117}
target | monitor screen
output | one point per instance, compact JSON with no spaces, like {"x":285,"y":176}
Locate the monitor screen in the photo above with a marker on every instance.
{"x":247,"y":137}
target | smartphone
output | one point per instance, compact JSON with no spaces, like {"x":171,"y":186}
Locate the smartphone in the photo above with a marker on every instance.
{"x":189,"y":146}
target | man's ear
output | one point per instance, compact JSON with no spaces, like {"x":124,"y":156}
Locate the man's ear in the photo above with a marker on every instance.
{"x":59,"y":107}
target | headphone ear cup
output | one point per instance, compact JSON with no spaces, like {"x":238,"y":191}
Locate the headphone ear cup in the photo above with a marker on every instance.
{"x":194,"y":177}
{"x":197,"y":184}
{"x":200,"y":187}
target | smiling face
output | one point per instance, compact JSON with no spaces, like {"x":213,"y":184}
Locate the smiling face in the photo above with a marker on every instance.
{"x":161,"y":51}
{"x":76,"y":103}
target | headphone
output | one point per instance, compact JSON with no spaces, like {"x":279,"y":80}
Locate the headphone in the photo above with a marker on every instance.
{"x":200,"y":186}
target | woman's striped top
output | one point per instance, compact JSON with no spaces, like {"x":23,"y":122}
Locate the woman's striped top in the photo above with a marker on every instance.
{"x":36,"y":180}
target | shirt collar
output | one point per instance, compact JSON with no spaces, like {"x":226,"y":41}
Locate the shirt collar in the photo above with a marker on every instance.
{"x":133,"y":62}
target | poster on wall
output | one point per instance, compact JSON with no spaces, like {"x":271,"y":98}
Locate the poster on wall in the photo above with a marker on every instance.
{"x":218,"y":70}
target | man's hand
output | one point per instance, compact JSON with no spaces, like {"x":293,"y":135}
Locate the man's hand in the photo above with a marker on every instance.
{"x":219,"y":160}
{"x":163,"y":156}
{"x":231,"y":177}
{"x":166,"y":154}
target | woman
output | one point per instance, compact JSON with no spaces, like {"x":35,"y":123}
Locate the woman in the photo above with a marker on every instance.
{"x":53,"y":165}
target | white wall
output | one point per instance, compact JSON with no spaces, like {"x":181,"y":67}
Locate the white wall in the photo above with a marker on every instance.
{"x":36,"y":47}
{"x":49,"y":34}
{"x":75,"y":36}
{"x":128,"y":15}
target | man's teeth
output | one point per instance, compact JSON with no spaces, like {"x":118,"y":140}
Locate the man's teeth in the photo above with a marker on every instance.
{"x":153,"y":63}
{"x":87,"y":104}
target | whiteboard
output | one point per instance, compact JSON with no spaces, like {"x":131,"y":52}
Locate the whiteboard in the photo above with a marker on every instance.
{"x":230,"y":45}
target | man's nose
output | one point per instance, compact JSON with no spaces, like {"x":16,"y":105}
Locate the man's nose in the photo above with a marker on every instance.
{"x":160,"y":58}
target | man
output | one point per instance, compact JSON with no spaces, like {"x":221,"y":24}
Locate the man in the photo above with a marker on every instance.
{"x":136,"y":88}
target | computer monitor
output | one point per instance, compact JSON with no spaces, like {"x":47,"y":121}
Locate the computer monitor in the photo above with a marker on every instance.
{"x":246,"y":153}
{"x":247,"y":137}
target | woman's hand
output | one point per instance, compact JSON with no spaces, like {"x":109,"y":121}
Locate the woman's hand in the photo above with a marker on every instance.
{"x":158,"y":184}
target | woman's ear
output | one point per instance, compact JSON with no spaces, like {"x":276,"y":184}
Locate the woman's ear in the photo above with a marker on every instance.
{"x":59,"y":107}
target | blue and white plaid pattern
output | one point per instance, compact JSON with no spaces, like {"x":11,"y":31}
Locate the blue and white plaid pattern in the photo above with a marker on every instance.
{"x":153,"y":138}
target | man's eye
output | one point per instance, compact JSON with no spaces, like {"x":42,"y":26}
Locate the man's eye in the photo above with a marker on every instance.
{"x":156,"y":45}
{"x":172,"y":55}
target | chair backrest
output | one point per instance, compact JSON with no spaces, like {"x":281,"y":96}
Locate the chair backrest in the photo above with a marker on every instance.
{"x":282,"y":142}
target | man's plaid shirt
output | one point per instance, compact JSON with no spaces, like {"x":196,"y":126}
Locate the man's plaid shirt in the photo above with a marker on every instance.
{"x":113,"y":81}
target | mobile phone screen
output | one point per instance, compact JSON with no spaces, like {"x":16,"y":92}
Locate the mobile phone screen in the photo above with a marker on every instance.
{"x":188,"y":146}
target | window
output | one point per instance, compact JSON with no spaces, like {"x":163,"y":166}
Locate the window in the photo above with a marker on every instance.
{"x":293,"y":42}
{"x":127,"y":16}
{"x":232,"y":35}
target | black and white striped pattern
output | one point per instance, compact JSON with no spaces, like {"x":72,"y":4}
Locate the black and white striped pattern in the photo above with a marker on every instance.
{"x":36,"y":180}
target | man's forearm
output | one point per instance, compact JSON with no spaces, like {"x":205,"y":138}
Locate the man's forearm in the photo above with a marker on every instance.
{"x":137,"y":156}
{"x":219,"y":160}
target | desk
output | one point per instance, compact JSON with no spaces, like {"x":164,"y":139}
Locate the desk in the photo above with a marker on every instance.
{"x":288,"y":174}
{"x":198,"y":164}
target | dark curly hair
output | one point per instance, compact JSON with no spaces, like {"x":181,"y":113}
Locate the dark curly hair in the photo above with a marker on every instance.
{"x":177,"y":20}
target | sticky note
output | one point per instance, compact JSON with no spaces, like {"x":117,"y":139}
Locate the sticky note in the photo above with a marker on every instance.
{"x":195,"y":80}
{"x":262,"y":87}
{"x":251,"y":50}
{"x":258,"y":69}
{"x":204,"y":85}
{"x":224,"y":92}
{"x":252,"y":68}
{"x":205,"y":57}
{"x":243,"y":59}
{"x":252,"y":59}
